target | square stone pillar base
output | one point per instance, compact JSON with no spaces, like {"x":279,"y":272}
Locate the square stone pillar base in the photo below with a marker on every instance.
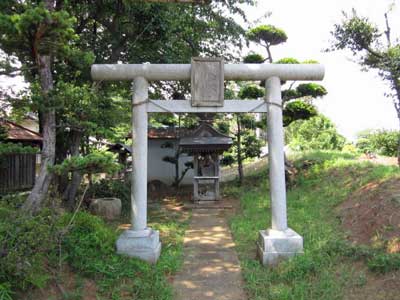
{"x":274,"y":245}
{"x":143,"y":244}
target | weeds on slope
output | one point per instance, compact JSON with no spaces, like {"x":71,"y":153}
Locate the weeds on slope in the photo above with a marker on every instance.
{"x":326,"y":268}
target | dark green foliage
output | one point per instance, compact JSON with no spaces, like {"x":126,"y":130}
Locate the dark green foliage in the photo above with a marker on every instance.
{"x":383,"y":142}
{"x":3,"y":133}
{"x":253,"y":58}
{"x":19,"y":21}
{"x":252,"y":146}
{"x":31,"y":249}
{"x":89,"y":247}
{"x":87,"y":241}
{"x":25,"y":245}
{"x":12,"y":148}
{"x":267,"y":34}
{"x":251,"y":91}
{"x":112,"y":188}
{"x":76,"y":34}
{"x":223,"y":127}
{"x":228,"y":159}
{"x":313,"y":90}
{"x":304,"y":90}
{"x":302,"y":108}
{"x":317,"y":133}
{"x":297,"y":110}
{"x":290,"y":94}
{"x":95,"y":162}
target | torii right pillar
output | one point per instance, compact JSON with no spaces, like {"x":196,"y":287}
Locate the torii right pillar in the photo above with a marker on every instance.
{"x":278,"y":242}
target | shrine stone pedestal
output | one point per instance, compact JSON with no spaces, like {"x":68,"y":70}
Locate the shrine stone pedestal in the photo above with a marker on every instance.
{"x":144,"y":244}
{"x":274,"y":245}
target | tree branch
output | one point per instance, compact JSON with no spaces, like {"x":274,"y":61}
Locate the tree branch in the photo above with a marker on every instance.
{"x":387,"y":31}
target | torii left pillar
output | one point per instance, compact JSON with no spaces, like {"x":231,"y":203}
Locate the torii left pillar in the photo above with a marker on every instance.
{"x":139,"y":241}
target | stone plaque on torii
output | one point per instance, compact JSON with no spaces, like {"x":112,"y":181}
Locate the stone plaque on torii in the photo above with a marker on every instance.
{"x":207,"y":77}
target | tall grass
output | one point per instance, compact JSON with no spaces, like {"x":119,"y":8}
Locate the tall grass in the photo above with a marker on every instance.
{"x":325,"y":269}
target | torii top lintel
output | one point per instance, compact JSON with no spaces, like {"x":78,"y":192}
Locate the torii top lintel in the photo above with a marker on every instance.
{"x":154,"y":72}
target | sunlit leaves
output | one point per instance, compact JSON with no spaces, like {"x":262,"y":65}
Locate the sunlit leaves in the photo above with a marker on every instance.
{"x":267,"y":34}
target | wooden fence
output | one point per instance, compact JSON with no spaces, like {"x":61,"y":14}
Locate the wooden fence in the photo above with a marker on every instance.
{"x":17,"y":172}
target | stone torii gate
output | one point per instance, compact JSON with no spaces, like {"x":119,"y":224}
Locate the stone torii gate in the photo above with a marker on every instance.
{"x":208,"y":77}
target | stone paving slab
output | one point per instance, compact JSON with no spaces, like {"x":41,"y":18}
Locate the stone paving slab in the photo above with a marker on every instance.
{"x":211,"y":267}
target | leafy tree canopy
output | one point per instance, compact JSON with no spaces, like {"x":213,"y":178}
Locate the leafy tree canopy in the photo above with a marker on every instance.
{"x":383,"y":142}
{"x":367,"y":42}
{"x":3,"y":133}
{"x":317,"y":133}
{"x":311,"y":89}
{"x":298,"y":110}
{"x":254,"y":58}
{"x":267,"y":35}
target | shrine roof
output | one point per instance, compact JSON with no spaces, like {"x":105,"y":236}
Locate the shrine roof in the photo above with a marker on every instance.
{"x":206,"y":138}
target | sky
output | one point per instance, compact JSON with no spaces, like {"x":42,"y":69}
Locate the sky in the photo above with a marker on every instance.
{"x":356,"y":100}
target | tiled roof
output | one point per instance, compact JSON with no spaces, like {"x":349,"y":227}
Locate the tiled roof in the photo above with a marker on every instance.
{"x":166,"y":133}
{"x":19,"y":133}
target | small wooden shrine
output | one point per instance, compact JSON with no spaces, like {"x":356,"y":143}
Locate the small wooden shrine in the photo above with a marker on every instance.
{"x":206,"y":145}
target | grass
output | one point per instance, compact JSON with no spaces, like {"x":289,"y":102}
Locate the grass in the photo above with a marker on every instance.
{"x":327,"y":267}
{"x":40,"y":255}
{"x":117,"y":277}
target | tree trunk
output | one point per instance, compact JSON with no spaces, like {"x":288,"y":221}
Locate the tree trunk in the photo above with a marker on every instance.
{"x":41,"y":187}
{"x":269,"y":54}
{"x":398,"y":142}
{"x":61,"y":154}
{"x":396,"y":84}
{"x":239,"y":150}
{"x":73,"y":186}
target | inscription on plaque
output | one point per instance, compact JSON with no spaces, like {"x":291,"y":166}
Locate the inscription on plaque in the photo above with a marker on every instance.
{"x":207,"y":84}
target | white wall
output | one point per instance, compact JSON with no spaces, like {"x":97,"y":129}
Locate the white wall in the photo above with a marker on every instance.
{"x":164,"y":171}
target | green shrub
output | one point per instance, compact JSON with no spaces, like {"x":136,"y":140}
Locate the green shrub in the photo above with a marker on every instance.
{"x":87,"y":242}
{"x":25,"y":245}
{"x":12,"y":148}
{"x":254,"y":58}
{"x":317,"y":133}
{"x":383,"y":142}
{"x":88,"y":247}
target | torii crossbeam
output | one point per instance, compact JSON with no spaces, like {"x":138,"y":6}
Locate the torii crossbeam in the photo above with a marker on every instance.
{"x":143,"y":242}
